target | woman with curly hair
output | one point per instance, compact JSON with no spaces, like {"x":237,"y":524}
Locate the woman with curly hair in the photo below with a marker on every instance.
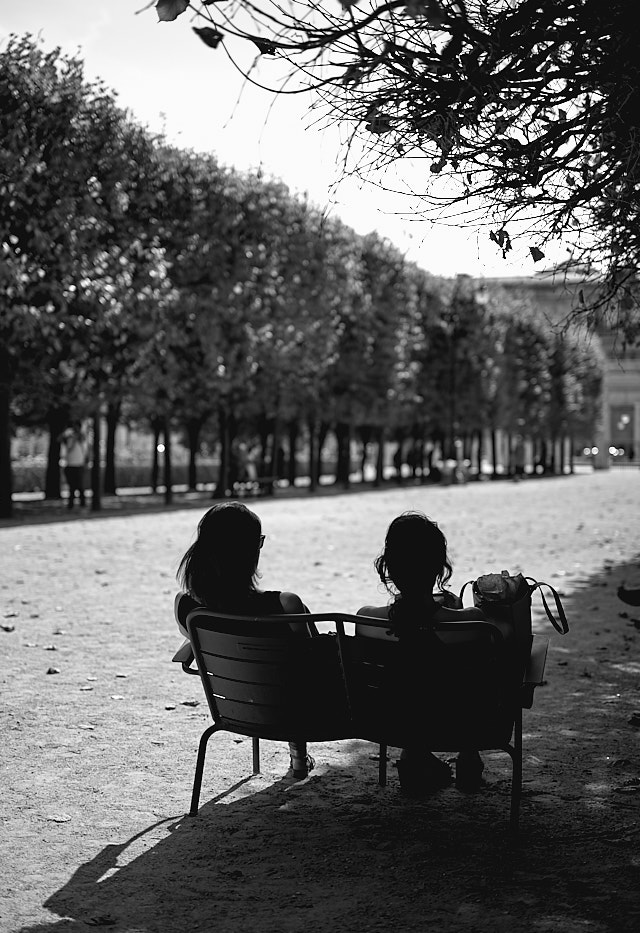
{"x":415,"y":568}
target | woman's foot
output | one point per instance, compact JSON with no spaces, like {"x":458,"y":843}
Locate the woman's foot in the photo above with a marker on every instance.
{"x":469,"y":768}
{"x":300,"y":768}
{"x":421,"y":776}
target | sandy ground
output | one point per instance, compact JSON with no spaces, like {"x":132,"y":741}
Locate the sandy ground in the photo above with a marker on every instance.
{"x":99,"y":733}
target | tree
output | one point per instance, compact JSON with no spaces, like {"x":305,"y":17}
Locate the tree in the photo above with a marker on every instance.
{"x":65,"y":172}
{"x":526,"y":114}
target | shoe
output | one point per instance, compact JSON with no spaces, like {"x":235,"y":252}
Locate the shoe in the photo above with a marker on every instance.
{"x":469,"y":773}
{"x":300,"y":773}
{"x":423,"y":777}
{"x":630,"y":597}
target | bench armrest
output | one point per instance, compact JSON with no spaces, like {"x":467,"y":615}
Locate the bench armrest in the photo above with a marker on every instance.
{"x":184,"y":656}
{"x":534,"y":672}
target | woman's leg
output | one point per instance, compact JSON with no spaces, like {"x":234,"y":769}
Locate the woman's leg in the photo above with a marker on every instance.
{"x":301,"y":762}
{"x":421,"y":772}
{"x":469,"y":768}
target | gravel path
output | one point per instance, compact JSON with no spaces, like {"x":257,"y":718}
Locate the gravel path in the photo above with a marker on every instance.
{"x":98,"y":757}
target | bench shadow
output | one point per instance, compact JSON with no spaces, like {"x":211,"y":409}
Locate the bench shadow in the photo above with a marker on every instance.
{"x":338,"y":852}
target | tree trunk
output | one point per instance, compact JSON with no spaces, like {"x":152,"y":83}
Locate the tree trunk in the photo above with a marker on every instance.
{"x":221,"y":489}
{"x":96,"y":486}
{"x":494,"y":453}
{"x":542,"y":461}
{"x":156,"y":427}
{"x":57,"y":420}
{"x":571,"y":455}
{"x":168,"y":472}
{"x":113,"y":416}
{"x":293,"y":443}
{"x":6,"y":478}
{"x":364,"y":456}
{"x":343,"y":438}
{"x":379,"y":477}
{"x":264,"y":433}
{"x":312,"y":427}
{"x":479,"y":453}
{"x":194,"y":426}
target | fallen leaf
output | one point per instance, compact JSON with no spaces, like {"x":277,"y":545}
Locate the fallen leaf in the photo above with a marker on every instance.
{"x":8,"y":628}
{"x":58,"y":817}
{"x":117,"y":696}
{"x":190,"y":703}
{"x":86,"y":726}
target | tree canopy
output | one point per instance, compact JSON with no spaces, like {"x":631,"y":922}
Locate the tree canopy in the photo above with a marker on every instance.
{"x":521,"y":116}
{"x":156,"y":284}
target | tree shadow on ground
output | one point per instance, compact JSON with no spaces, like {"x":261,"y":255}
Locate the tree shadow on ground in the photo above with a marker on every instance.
{"x":336,"y":852}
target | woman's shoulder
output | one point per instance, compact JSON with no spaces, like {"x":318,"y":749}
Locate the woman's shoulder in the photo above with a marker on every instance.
{"x":374,"y":612}
{"x":291,"y":603}
{"x":470,"y":614}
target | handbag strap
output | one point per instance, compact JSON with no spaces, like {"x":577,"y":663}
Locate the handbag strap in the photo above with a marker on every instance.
{"x":468,"y":583}
{"x":560,"y":624}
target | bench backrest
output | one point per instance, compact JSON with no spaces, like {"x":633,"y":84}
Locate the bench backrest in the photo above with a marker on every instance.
{"x":451,"y":688}
{"x":262,"y":679}
{"x":455,"y":688}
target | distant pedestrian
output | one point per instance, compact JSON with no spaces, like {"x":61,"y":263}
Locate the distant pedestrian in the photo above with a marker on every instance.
{"x":75,"y":455}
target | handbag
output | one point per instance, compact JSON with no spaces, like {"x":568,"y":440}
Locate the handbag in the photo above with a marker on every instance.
{"x":506,"y":601}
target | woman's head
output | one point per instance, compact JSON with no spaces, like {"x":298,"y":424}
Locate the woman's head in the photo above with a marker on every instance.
{"x":222,"y":564}
{"x":414,"y":560}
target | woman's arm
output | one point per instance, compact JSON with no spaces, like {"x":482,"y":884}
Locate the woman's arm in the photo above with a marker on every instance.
{"x":292,"y":605}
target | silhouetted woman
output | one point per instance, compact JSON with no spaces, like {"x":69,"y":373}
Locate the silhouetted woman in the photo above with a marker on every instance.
{"x":414,"y":564}
{"x":220,"y":572}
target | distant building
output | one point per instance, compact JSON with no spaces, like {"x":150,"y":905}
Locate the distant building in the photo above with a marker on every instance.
{"x":617,"y":436}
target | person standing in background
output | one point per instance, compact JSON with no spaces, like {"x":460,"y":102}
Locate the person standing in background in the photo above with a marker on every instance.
{"x":75,"y":451}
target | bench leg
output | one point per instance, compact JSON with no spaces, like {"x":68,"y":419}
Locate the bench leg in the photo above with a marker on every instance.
{"x":197,"y":779}
{"x":256,"y":755}
{"x":516,"y":779}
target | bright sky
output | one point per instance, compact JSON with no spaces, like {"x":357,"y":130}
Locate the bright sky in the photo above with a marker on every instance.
{"x":170,"y":80}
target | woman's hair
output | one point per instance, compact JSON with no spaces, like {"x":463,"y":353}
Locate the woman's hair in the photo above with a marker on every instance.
{"x":414,"y":561}
{"x":222,"y":565}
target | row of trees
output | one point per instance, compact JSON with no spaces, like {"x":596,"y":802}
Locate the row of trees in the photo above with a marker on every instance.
{"x":159,"y":287}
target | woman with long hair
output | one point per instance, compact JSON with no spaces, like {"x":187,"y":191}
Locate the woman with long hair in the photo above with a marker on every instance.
{"x":414,"y":567}
{"x":220,"y":571}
